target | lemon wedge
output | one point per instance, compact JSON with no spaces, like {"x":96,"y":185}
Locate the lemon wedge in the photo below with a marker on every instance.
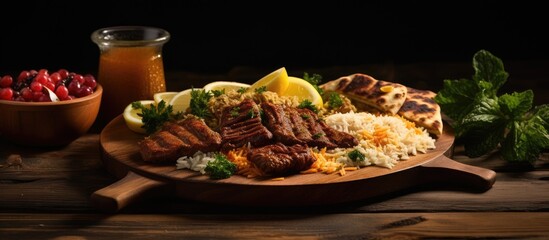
{"x":276,"y":81}
{"x":182,"y":100}
{"x":134,"y":121}
{"x":228,"y":86}
{"x":303,"y":90}
{"x":166,"y":96}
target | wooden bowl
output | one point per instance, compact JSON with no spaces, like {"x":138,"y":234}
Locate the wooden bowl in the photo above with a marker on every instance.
{"x":48,"y":123}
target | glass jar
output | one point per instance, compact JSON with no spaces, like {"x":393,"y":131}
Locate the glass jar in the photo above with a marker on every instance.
{"x":130,"y":66}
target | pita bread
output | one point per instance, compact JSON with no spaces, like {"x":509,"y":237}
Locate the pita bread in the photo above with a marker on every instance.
{"x":386,"y":97}
{"x":421,"y":108}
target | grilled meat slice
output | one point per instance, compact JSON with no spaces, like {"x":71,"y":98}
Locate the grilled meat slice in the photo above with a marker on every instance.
{"x":248,"y":131}
{"x":318,"y":136}
{"x":279,"y":123}
{"x":176,"y":139}
{"x":279,"y":160}
{"x":195,"y":134}
{"x":341,"y":139}
{"x":299,"y":126}
{"x":241,"y":124}
{"x":239,"y":112}
{"x":161,"y":147}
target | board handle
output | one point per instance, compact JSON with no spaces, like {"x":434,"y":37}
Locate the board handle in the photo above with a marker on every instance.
{"x":446,"y":169}
{"x":125,"y":191}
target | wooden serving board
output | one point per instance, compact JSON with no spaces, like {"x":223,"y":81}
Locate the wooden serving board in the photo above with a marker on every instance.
{"x":121,"y":156}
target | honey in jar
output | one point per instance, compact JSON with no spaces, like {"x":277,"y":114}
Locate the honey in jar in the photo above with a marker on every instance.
{"x":130,"y":66}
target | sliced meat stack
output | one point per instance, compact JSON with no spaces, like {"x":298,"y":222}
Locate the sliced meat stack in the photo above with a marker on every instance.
{"x":302,"y":126}
{"x":241,"y":124}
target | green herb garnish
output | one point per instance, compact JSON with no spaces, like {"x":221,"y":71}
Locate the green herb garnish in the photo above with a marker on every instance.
{"x":356,"y":156}
{"x":220,"y":168}
{"x":251,"y":113}
{"x":261,"y":89}
{"x":309,"y":105}
{"x":315,"y":80}
{"x":334,"y":100}
{"x":242,"y":90}
{"x":199,"y":103}
{"x":484,"y":121}
{"x":317,"y":135}
{"x":235,"y":111}
{"x":218,"y":93}
{"x":153,"y":116}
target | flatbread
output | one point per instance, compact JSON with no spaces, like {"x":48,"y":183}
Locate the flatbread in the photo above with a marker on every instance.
{"x":421,"y":108}
{"x":387,"y":97}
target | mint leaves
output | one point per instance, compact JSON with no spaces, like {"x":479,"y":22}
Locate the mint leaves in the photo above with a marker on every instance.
{"x":486,"y":121}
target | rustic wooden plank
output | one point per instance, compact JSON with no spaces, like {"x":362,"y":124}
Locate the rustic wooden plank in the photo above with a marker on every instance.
{"x":72,"y":194}
{"x":498,"y":225}
{"x":62,"y":180}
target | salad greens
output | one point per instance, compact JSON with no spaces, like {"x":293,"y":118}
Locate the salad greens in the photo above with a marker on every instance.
{"x":486,"y":121}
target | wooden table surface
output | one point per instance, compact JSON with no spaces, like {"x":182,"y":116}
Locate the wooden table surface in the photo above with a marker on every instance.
{"x":46,"y":195}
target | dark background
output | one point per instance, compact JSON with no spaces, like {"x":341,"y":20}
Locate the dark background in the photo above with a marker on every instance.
{"x":215,"y":36}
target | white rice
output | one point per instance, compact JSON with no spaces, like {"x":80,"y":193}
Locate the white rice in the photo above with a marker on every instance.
{"x":197,"y":162}
{"x":401,"y":141}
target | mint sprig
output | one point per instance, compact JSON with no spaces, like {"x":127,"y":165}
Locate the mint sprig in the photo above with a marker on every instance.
{"x":486,"y":121}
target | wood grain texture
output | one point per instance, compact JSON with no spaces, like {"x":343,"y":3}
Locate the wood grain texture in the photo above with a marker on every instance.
{"x":487,"y":225}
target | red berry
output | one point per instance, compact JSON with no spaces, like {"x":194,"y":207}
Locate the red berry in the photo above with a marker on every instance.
{"x":44,"y":98}
{"x":43,"y":71}
{"x":62,"y":92}
{"x":55,"y":77}
{"x":26,"y":93}
{"x":36,"y":87}
{"x":90,"y":81}
{"x":36,"y":96}
{"x":23,"y":76}
{"x":85,"y":91}
{"x":41,"y":78}
{"x":6,"y":81}
{"x":50,"y":85}
{"x":64,"y":73}
{"x":74,"y":87}
{"x":6,"y":93}
{"x":79,"y":78}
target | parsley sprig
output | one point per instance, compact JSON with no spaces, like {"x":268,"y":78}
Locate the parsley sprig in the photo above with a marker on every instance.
{"x":220,"y":167}
{"x":485,"y":121}
{"x":154,"y":116}
{"x":199,"y":102}
{"x":314,"y":79}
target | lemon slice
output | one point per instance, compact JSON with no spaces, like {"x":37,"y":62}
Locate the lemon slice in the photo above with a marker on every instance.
{"x":182,"y":100}
{"x":228,"y":86}
{"x":134,"y":121}
{"x":303,"y":90}
{"x":166,"y":96}
{"x":276,"y":81}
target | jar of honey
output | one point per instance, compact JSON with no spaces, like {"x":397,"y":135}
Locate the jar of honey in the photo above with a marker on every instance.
{"x":130,"y":66}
